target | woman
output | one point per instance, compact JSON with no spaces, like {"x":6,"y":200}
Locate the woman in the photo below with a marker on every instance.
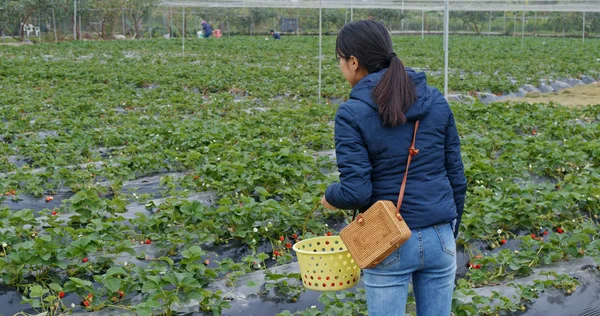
{"x":373,"y":131}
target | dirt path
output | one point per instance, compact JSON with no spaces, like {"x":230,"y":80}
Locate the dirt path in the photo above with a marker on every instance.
{"x":577,"y":96}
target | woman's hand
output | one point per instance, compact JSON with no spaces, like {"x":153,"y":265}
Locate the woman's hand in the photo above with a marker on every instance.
{"x":327,"y":205}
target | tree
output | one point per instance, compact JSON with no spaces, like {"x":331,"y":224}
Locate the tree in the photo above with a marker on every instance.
{"x":473,"y":19}
{"x":104,"y":11}
{"x":140,"y":10}
{"x":21,"y":9}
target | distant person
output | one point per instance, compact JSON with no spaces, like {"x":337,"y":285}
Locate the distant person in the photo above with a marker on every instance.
{"x":275,"y":34}
{"x":207,"y":29}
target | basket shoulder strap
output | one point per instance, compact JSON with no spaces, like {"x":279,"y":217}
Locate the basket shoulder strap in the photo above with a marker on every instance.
{"x":412,"y":151}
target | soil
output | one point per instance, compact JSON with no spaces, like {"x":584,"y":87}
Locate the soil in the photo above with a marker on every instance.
{"x":577,"y":96}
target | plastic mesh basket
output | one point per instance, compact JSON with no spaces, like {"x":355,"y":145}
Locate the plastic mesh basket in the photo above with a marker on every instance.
{"x":325,"y":264}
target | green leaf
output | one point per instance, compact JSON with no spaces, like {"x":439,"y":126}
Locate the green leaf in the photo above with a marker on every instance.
{"x":150,"y":287}
{"x":37,"y":291}
{"x":262,"y":191}
{"x":113,"y":284}
{"x":55,"y":287}
{"x":116,"y":271}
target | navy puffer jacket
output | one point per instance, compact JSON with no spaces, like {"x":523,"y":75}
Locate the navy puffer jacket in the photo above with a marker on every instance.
{"x":372,"y":158}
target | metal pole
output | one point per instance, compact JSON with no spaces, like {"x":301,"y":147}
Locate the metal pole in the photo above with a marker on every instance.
{"x":523,"y":31}
{"x":320,"y":47}
{"x":504,"y":31}
{"x":515,"y":24}
{"x":183,"y":33}
{"x":54,"y":23}
{"x":123,"y":16}
{"x":351,"y":11}
{"x":446,"y":25}
{"x":80,"y":35}
{"x":583,"y":34}
{"x":403,"y":15}
{"x":74,"y":19}
{"x":490,"y":25}
{"x":422,"y":24}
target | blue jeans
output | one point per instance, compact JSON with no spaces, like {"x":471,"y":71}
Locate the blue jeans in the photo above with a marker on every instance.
{"x":429,"y":257}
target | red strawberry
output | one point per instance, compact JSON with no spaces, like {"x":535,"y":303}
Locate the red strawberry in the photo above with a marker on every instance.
{"x":560,"y":230}
{"x":581,"y":252}
{"x":54,"y":213}
{"x":534,"y":132}
{"x":49,"y":198}
{"x":121,"y":293}
{"x":90,"y":296}
{"x":288,"y":245}
{"x":328,"y":233}
{"x":276,"y":253}
{"x":206,"y":262}
{"x":503,"y":241}
{"x":546,"y":232}
{"x":532,"y":236}
{"x":85,"y":260}
{"x":148,"y":241}
{"x":61,"y":294}
{"x":281,"y":238}
{"x":196,"y":177}
{"x":86,"y":303}
{"x":295,"y":236}
{"x":478,"y":266}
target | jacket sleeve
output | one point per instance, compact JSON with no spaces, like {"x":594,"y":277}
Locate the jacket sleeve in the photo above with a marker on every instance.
{"x":455,"y":169}
{"x":354,"y":189}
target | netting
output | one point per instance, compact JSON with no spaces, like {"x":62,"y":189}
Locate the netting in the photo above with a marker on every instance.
{"x":425,"y":5}
{"x":95,"y":19}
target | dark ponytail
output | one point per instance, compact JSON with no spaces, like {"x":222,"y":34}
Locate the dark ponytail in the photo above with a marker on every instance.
{"x":370,"y":42}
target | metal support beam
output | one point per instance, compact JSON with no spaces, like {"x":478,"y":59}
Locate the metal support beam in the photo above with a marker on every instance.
{"x":74,"y":19}
{"x":422,"y":24}
{"x":183,"y":33}
{"x":320,"y":48}
{"x":583,"y":33}
{"x":523,"y":31}
{"x":446,"y":39}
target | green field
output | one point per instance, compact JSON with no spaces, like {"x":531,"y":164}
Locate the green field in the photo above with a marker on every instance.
{"x":238,"y":120}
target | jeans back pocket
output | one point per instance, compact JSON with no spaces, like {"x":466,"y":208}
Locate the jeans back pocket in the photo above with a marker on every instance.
{"x":444,"y":232}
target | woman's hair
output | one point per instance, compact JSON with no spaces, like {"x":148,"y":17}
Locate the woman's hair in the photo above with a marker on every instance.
{"x":370,"y":42}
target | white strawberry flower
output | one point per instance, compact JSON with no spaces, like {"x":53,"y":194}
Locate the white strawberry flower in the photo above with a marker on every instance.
{"x":499,"y":231}
{"x":4,"y":245}
{"x":255,"y":230}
